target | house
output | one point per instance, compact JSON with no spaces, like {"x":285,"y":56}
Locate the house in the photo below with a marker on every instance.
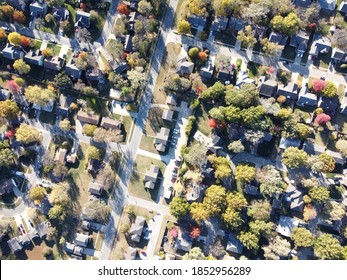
{"x":197,"y":22}
{"x":71,"y":70}
{"x":236,"y":24}
{"x":95,"y":188}
{"x":343,"y":106}
{"x":81,"y":239}
{"x":259,"y":32}
{"x":93,"y":165}
{"x":338,"y":157}
{"x":88,"y":117}
{"x":12,"y":52}
{"x":60,"y":155}
{"x":289,"y":91}
{"x":128,"y":44}
{"x":42,"y":229}
{"x":132,"y":17}
{"x":234,"y":245}
{"x":305,"y":98}
{"x":48,"y":108}
{"x":82,"y":19}
{"x":4,"y":94}
{"x":299,"y":42}
{"x":184,"y":67}
{"x":95,"y":75}
{"x":85,"y":225}
{"x":109,"y":123}
{"x":115,"y":93}
{"x":224,"y":75}
{"x":38,"y":9}
{"x":343,"y":8}
{"x":118,"y":66}
{"x":34,"y":57}
{"x":73,"y":249}
{"x":302,"y":3}
{"x":219,"y":24}
{"x":130,"y":254}
{"x":137,"y":228}
{"x":183,"y":241}
{"x":151,"y":177}
{"x":243,"y":78}
{"x":294,"y":199}
{"x":278,"y":38}
{"x":267,"y":87}
{"x":167,"y":115}
{"x":338,"y":55}
{"x":14,"y":245}
{"x":286,"y":225}
{"x":207,"y":70}
{"x":53,"y":63}
{"x":311,"y":148}
{"x":319,"y":45}
{"x":134,"y":4}
{"x":251,"y":190}
{"x":287,"y":142}
{"x":329,"y":105}
{"x":18,"y":4}
{"x":61,"y":14}
{"x":71,"y":158}
{"x":62,"y":109}
{"x":328,"y":5}
{"x":171,"y":99}
{"x":7,"y":186}
{"x":161,"y":139}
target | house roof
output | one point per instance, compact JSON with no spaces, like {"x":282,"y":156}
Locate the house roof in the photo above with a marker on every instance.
{"x":149,"y":185}
{"x":60,"y":155}
{"x":95,"y":188}
{"x":338,"y":54}
{"x":85,"y":224}
{"x":185,"y":68}
{"x":132,"y":16}
{"x":289,"y":90}
{"x":251,"y":190}
{"x":259,"y":31}
{"x":286,"y":225}
{"x":12,"y":52}
{"x":109,"y":123}
{"x":34,"y":57}
{"x":278,"y":38}
{"x":306,"y":98}
{"x":71,"y":158}
{"x":160,"y":147}
{"x":329,"y":105}
{"x":61,"y":13}
{"x":137,"y":228}
{"x":128,"y":44}
{"x":167,"y":115}
{"x":53,"y":63}
{"x":224,"y":75}
{"x":6,"y":186}
{"x":234,"y":245}
{"x":130,"y":253}
{"x":152,"y":173}
{"x":14,"y":245}
{"x":344,"y":104}
{"x":237,"y":24}
{"x":69,"y":247}
{"x":219,"y":23}
{"x":338,"y":157}
{"x":88,"y":117}
{"x":18,"y":4}
{"x":118,"y":66}
{"x":71,"y":69}
{"x":94,"y":74}
{"x":207,"y":70}
{"x":183,"y":241}
{"x":320,"y":44}
{"x":93,"y":165}
{"x":312,"y":148}
{"x":163,"y":136}
{"x":343,"y":7}
{"x":42,"y":229}
{"x":328,"y":5}
{"x":299,"y":40}
{"x":171,"y":99}
{"x":81,"y":239}
{"x":287,"y":142}
{"x":295,"y":195}
{"x":302,"y":3}
{"x":82,"y":19}
{"x":196,"y":21}
{"x":4,"y":94}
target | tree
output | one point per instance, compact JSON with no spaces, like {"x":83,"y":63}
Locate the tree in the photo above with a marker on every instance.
{"x":217,"y":250}
{"x":14,"y":38}
{"x":21,"y":66}
{"x":59,"y":195}
{"x":49,"y":18}
{"x":236,"y":147}
{"x":98,"y":211}
{"x":262,"y":228}
{"x":183,"y":27}
{"x":62,"y":81}
{"x":244,"y":97}
{"x":176,"y":84}
{"x":244,"y":173}
{"x":102,"y":135}
{"x":287,"y":25}
{"x":6,"y":11}
{"x":270,"y":48}
{"x":56,"y":213}
{"x":196,"y":155}
{"x":3,"y":34}
{"x":9,"y":109}
{"x":318,"y":85}
{"x":39,"y":96}
{"x":37,"y":193}
{"x":123,"y":9}
{"x":195,"y":232}
{"x":233,"y":219}
{"x":276,"y":249}
{"x":327,"y":247}
{"x":145,"y":7}
{"x":84,"y":35}
{"x":302,"y":237}
{"x":221,"y":166}
{"x":193,"y":52}
{"x":7,"y":158}
{"x":88,"y":129}
{"x":340,"y":38}
{"x":328,"y":162}
{"x":215,"y":200}
{"x":106,"y":177}
{"x":27,"y":134}
{"x":271,"y":181}
{"x":137,"y":78}
{"x":247,"y":38}
{"x":198,"y":212}
{"x":334,"y":210}
{"x":330,"y":90}
{"x":260,"y":210}
{"x":253,"y":117}
{"x":65,"y":125}
{"x":249,"y":240}
{"x":294,"y":157}
{"x":25,"y":42}
{"x":310,"y":213}
{"x":217,"y":91}
{"x":60,"y":170}
{"x":194,"y":254}
{"x":341,"y":146}
{"x":93,"y":153}
{"x":19,"y":17}
{"x":319,"y":194}
{"x":322,"y":119}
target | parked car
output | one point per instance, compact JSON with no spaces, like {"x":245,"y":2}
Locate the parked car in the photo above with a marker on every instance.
{"x":53,"y":41}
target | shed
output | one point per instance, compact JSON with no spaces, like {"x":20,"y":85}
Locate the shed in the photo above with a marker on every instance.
{"x":95,"y":188}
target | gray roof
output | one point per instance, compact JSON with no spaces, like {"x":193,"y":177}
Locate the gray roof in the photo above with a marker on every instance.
{"x":61,"y":13}
{"x":267,"y":87}
{"x":6,"y":186}
{"x":234,"y":245}
{"x":53,"y":63}
{"x":128,"y":44}
{"x":320,"y":45}
{"x":71,"y":69}
{"x":259,"y":31}
{"x":109,"y":123}
{"x":343,"y":106}
{"x":167,"y":115}
{"x":163,"y":136}
{"x":287,"y":142}
{"x":4,"y":94}
{"x":38,"y":9}
{"x":302,"y":3}
{"x":339,"y":55}
{"x":237,"y":24}
{"x":95,"y":188}
{"x":152,"y":173}
{"x":34,"y":57}
{"x":207,"y":70}
{"x":183,"y":242}
{"x":42,"y":229}
{"x":12,"y":52}
{"x":289,"y":91}
{"x":18,"y":4}
{"x":185,"y":67}
{"x":85,"y":224}
{"x":296,"y":200}
{"x":278,"y":38}
{"x":14,"y":245}
{"x":130,"y":253}
{"x":251,"y":190}
{"x":299,"y":41}
{"x":118,"y":66}
{"x":328,"y":5}
{"x":312,"y":148}
{"x":306,"y":98}
{"x":171,"y":99}
{"x":196,"y":21}
{"x":60,"y":155}
{"x":286,"y":225}
{"x":137,"y":228}
{"x":219,"y":23}
{"x":338,"y":157}
{"x":88,"y":118}
{"x":81,"y":239}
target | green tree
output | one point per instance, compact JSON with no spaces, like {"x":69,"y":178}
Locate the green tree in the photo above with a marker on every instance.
{"x":183,"y":27}
{"x":330,"y":90}
{"x":196,"y":155}
{"x":215,"y":200}
{"x":65,"y":125}
{"x":194,"y":254}
{"x":236,"y":201}
{"x":179,"y":207}
{"x":276,"y":249}
{"x":327,"y":247}
{"x":63,"y":81}
{"x":39,"y":96}
{"x":93,"y":153}
{"x":236,"y":147}
{"x":145,"y":7}
{"x":14,"y":38}
{"x":221,"y":166}
{"x":294,"y":157}
{"x":341,"y":146}
{"x":287,"y":25}
{"x":233,"y":219}
{"x":244,"y":173}
{"x":27,"y":134}
{"x":328,"y":161}
{"x":217,"y":91}
{"x":9,"y":109}
{"x":88,"y":129}
{"x":303,"y":131}
{"x":249,"y":240}
{"x":319,"y":194}
{"x":262,"y":228}
{"x":246,"y":37}
{"x":302,"y":237}
{"x":253,"y":116}
{"x":56,"y":213}
{"x":270,"y":48}
{"x":37,"y":193}
{"x":334,"y":210}
{"x":198,"y":212}
{"x":21,"y":66}
{"x":193,"y":52}
{"x":260,"y":210}
{"x":7,"y":158}
{"x":98,"y":211}
{"x":244,"y":97}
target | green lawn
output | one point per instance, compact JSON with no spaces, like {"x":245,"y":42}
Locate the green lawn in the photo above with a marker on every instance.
{"x":72,"y":11}
{"x":36,"y":44}
{"x":180,"y":13}
{"x":202,"y":120}
{"x":147,"y":144}
{"x":54,"y":47}
{"x":136,"y":186}
{"x":127,"y":123}
{"x":341,"y":89}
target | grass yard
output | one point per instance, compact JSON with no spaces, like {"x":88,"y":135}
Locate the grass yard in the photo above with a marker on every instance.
{"x":341,"y":121}
{"x":47,"y":117}
{"x":127,"y":123}
{"x":54,"y":47}
{"x":341,"y":89}
{"x":289,"y":53}
{"x":299,"y":80}
{"x":136,"y":186}
{"x":202,"y":120}
{"x":36,"y":44}
{"x":252,"y":69}
{"x":147,"y":144}
{"x":162,"y":232}
{"x":180,"y":12}
{"x":97,"y":23}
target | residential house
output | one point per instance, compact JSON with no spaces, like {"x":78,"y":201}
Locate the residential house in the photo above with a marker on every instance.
{"x":128,"y":44}
{"x":219,"y":24}
{"x":236,"y":25}
{"x":85,"y":225}
{"x":294,"y":199}
{"x":60,"y":155}
{"x":302,"y":3}
{"x":134,"y":4}
{"x":299,"y":42}
{"x":48,"y":108}
{"x":183,"y":241}
{"x":20,"y":99}
{"x":251,"y":190}
{"x":171,"y":99}
{"x":329,"y":105}
{"x":278,"y":38}
{"x":242,"y":78}
{"x":93,"y":166}
{"x":287,"y":142}
{"x":286,"y":225}
{"x":4,"y":94}
{"x":38,"y":9}
{"x":53,"y":63}
{"x":73,"y":249}
{"x":95,"y":188}
{"x":259,"y":32}
{"x":88,"y":117}
{"x":42,"y":229}
{"x":197,"y":22}
{"x":95,"y":75}
{"x":34,"y":57}
{"x":267,"y":87}
{"x":18,"y":4}
{"x":62,"y":109}
{"x":161,"y":139}
{"x":12,"y":52}
{"x":71,"y":70}
{"x":82,"y":19}
{"x":343,"y":8}
{"x":338,"y":157}
{"x":184,"y":67}
{"x":71,"y":158}
{"x":130,"y":254}
{"x":338,"y":55}
{"x":343,"y":106}
{"x":7,"y":186}
{"x":151,"y":176}
{"x":15,"y":245}
{"x":167,"y":115}
{"x":109,"y":123}
{"x":118,"y":66}
{"x":81,"y":240}
{"x":136,"y":229}
{"x":234,"y":245}
{"x":306,"y":98}
{"x":311,"y":148}
{"x":207,"y":70}
{"x":61,"y":14}
{"x":132,"y":17}
{"x":224,"y":75}
{"x":328,"y":5}
{"x":289,"y":91}
{"x":319,"y":45}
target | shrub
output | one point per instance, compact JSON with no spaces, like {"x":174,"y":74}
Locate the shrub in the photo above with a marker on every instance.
{"x":190,"y":124}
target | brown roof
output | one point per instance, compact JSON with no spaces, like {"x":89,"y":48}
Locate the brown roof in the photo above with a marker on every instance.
{"x":109,"y":123}
{"x":53,"y":63}
{"x":60,"y":155}
{"x":88,"y":118}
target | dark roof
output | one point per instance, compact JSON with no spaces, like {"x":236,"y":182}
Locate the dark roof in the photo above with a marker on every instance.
{"x":196,"y":21}
{"x":20,"y":99}
{"x":339,"y":55}
{"x":306,"y":98}
{"x":237,"y":24}
{"x":312,"y":148}
{"x":93,"y":165}
{"x":34,"y":57}
{"x":278,"y":38}
{"x":299,"y":41}
{"x":128,"y":44}
{"x":18,"y":4}
{"x":224,"y":75}
{"x":288,"y":142}
{"x":152,"y":173}
{"x":61,"y":13}
{"x":267,"y":87}
{"x":207,"y":70}
{"x":6,"y":186}
{"x":302,"y":3}
{"x":234,"y":245}
{"x":14,"y":245}
{"x":329,"y":105}
{"x":219,"y":23}
{"x":259,"y":31}
{"x":82,"y":19}
{"x":4,"y":94}
{"x":95,"y":188}
{"x":12,"y":52}
{"x":118,"y":66}
{"x":94,"y":74}
{"x":289,"y":91}
{"x":88,"y":117}
{"x":38,"y":9}
{"x":343,"y":7}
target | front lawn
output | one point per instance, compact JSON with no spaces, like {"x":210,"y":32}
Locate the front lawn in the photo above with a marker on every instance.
{"x":127,"y":124}
{"x":202,"y":120}
{"x":155,"y":122}
{"x":98,"y":21}
{"x":55,"y":48}
{"x":147,"y":144}
{"x":252,"y":69}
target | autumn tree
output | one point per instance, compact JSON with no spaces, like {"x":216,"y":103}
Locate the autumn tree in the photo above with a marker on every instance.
{"x":294,"y":157}
{"x":246,"y":37}
{"x":249,"y":240}
{"x":25,"y":42}
{"x":195,"y":232}
{"x":341,"y":146}
{"x":334,"y":210}
{"x":88,"y":129}
{"x":244,"y":173}
{"x":196,"y":155}
{"x":277,"y":248}
{"x":98,"y":211}
{"x":27,"y":134}
{"x":3,"y":34}
{"x":37,"y":193}
{"x":287,"y":25}
{"x":221,"y":166}
{"x":328,"y":247}
{"x":106,"y":177}
{"x":330,"y":90}
{"x":198,"y":212}
{"x":9,"y":109}
{"x":19,"y":17}
{"x":236,"y":147}
{"x":328,"y":162}
{"x":310,"y":213}
{"x":319,"y":194}
{"x":6,"y":12}
{"x":260,"y":210}
{"x":322,"y":119}
{"x":318,"y":85}
{"x":271,"y":183}
{"x":7,"y":158}
{"x":39,"y":96}
{"x":21,"y":66}
{"x":270,"y":48}
{"x":215,"y":200}
{"x":232,"y":215}
{"x":302,"y":237}
{"x":123,"y":9}
{"x":183,"y":27}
